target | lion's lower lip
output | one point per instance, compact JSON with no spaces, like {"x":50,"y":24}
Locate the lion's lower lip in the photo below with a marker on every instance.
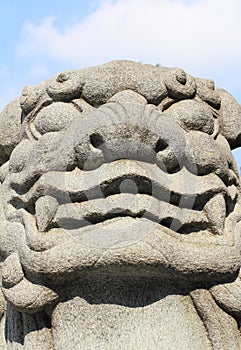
{"x":125,"y":204}
{"x":73,"y":216}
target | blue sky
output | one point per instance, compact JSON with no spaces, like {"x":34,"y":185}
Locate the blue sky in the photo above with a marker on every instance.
{"x":39,"y":39}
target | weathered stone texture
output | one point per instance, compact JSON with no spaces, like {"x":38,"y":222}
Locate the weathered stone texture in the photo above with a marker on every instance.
{"x":120,"y":212}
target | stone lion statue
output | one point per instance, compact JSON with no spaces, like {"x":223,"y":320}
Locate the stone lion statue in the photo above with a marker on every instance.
{"x":120,"y":212}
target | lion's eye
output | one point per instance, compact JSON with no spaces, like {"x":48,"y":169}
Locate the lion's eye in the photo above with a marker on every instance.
{"x":192,"y":115}
{"x":55,"y":117}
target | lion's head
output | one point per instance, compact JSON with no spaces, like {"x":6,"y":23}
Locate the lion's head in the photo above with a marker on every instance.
{"x":123,"y":169}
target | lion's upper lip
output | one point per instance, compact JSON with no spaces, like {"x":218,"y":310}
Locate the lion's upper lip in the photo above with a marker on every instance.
{"x":182,"y":189}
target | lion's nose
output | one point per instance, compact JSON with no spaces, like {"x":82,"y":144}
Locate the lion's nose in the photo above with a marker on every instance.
{"x":103,"y":146}
{"x":127,"y":130}
{"x":124,"y":146}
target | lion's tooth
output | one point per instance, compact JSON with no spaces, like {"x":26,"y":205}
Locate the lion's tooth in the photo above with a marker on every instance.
{"x":233,"y":192}
{"x":216,"y":213}
{"x":45,"y":209}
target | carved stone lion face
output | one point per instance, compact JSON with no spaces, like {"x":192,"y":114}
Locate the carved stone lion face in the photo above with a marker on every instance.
{"x":127,"y":170}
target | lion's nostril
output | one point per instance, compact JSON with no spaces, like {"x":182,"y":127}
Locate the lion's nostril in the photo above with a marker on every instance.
{"x":161,"y":145}
{"x":96,"y":140}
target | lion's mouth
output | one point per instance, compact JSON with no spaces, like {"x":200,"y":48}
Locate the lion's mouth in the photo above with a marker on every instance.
{"x":77,"y":215}
{"x":182,"y":202}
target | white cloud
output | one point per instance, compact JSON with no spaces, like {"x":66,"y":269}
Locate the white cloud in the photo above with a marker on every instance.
{"x":206,"y":33}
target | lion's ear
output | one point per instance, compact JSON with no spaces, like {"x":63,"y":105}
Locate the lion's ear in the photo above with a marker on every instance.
{"x":10,"y":129}
{"x":230,"y":119}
